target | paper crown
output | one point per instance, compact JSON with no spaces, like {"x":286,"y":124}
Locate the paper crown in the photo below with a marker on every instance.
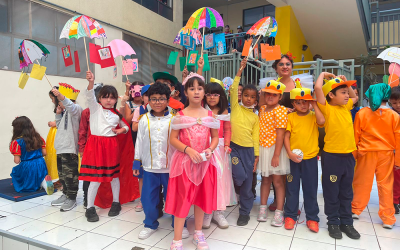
{"x":68,"y":91}
{"x":334,"y":83}
{"x":217,"y":81}
{"x":275,"y":87}
{"x":300,"y":93}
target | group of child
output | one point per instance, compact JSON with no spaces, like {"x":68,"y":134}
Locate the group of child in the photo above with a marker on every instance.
{"x":205,"y":152}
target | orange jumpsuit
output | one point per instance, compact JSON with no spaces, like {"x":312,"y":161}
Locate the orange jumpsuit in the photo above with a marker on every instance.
{"x":377,"y":135}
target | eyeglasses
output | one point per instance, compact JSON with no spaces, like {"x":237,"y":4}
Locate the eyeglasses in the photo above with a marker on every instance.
{"x":282,"y":64}
{"x":212,"y":95}
{"x":154,"y":100}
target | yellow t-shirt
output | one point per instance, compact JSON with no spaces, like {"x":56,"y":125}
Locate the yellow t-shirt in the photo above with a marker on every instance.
{"x":339,"y":131}
{"x":244,"y":123}
{"x":304,"y":134}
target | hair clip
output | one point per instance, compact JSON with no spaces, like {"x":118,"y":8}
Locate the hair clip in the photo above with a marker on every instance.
{"x":290,"y":55}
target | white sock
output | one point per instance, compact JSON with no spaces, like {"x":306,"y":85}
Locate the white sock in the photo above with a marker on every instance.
{"x":92,"y":192}
{"x":115,"y":187}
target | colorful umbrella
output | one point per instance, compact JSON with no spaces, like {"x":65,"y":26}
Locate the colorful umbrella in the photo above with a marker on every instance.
{"x":121,"y":48}
{"x":82,"y":26}
{"x":267,"y":27}
{"x":195,"y":33}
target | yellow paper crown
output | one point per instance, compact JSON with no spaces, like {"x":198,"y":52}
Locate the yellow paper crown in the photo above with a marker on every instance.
{"x":300,"y":93}
{"x":68,"y":91}
{"x":275,"y":87}
{"x":217,"y":81}
{"x":334,"y":83}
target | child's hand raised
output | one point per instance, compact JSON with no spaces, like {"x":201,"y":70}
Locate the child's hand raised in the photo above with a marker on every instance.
{"x":128,"y":85}
{"x":59,"y":110}
{"x":185,"y":73}
{"x":344,"y":79}
{"x":89,"y":76}
{"x":57,"y":94}
{"x":328,"y":75}
{"x":200,"y":63}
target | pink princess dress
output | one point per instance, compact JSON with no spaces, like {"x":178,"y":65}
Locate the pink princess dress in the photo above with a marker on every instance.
{"x":191,"y":183}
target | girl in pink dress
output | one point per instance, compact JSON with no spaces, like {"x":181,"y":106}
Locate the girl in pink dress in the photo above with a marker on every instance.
{"x":194,"y":165}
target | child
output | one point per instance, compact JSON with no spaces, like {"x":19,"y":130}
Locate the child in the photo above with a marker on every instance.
{"x":395,"y":104}
{"x":377,"y":135}
{"x":102,"y":156}
{"x":28,"y":148}
{"x":302,"y":133}
{"x":153,"y":155}
{"x":244,"y":144}
{"x":172,"y":82}
{"x":335,"y":100}
{"x":355,"y":108}
{"x":217,"y":102}
{"x":135,"y":101}
{"x":68,"y":116}
{"x":193,"y":174}
{"x":51,"y":156}
{"x":273,"y":162}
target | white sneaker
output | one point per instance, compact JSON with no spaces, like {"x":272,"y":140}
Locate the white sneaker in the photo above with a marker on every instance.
{"x":139,"y":207}
{"x":277,"y":221}
{"x":146,"y":233}
{"x":262,"y":214}
{"x":355,"y":216}
{"x":219,"y":219}
{"x":387,"y":226}
{"x":207,"y":221}
{"x":185,"y":233}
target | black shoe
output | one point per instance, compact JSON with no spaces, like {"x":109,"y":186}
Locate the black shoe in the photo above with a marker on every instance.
{"x":91,"y":215}
{"x":396,"y":208}
{"x":350,"y":231}
{"x":115,"y":209}
{"x":334,"y":231}
{"x":243,"y":220}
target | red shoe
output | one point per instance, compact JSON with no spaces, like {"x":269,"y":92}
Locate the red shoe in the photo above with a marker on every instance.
{"x":313,"y":226}
{"x":289,"y":223}
{"x":272,"y":207}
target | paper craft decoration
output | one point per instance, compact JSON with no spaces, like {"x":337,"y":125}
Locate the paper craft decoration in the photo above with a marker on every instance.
{"x":256,"y":53}
{"x":106,"y":57}
{"x":186,"y":41}
{"x":385,"y":79}
{"x":192,"y":59}
{"x":270,"y":53}
{"x":393,"y":80}
{"x":115,"y":74}
{"x":23,"y":79}
{"x":30,"y":51}
{"x":172,"y":57}
{"x":182,"y":63}
{"x":135,"y":64}
{"x":127,"y":68}
{"x":246,"y":47}
{"x":120,"y":48}
{"x":94,"y":55}
{"x":194,"y":33}
{"x":206,"y":63}
{"x":193,"y":45}
{"x":77,"y":64}
{"x":66,"y":52}
{"x":220,"y":43}
{"x":38,"y":71}
{"x":267,"y":27}
{"x":209,"y":41}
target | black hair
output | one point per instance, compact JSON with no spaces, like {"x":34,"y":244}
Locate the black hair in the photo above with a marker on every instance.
{"x":23,"y":127}
{"x":333,"y":91}
{"x":55,"y":98}
{"x":133,"y":84}
{"x":215,"y":88}
{"x":317,"y":56}
{"x":395,"y":93}
{"x":240,"y":84}
{"x":160,"y":89}
{"x":107,"y":91}
{"x":190,"y":83}
{"x":227,"y":26}
{"x":177,"y":87}
{"x":275,"y":64}
{"x":249,"y":87}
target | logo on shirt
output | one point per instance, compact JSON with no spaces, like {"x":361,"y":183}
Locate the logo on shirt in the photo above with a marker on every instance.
{"x":235,"y":160}
{"x":333,"y":178}
{"x":289,"y":178}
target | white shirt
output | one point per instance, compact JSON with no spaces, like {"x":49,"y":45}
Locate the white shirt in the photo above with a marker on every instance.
{"x":102,"y":121}
{"x":152,"y":147}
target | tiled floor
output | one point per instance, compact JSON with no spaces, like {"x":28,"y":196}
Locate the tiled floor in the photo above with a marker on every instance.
{"x":35,"y":218}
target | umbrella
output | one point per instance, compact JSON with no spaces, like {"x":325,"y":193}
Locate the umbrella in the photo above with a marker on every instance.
{"x":205,"y":18}
{"x":82,"y":26}
{"x":30,"y":51}
{"x":392,"y":55}
{"x":266,"y":26}
{"x":121,"y":48}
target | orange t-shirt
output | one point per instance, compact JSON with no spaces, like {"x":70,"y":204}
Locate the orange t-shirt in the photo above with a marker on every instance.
{"x":269,"y":122}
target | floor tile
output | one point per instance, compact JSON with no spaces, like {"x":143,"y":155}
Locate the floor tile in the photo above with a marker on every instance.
{"x":132,"y":216}
{"x":81,"y":223}
{"x":301,"y":244}
{"x":39,"y":211}
{"x":373,"y":208}
{"x":253,"y":212}
{"x":267,"y":227}
{"x":17,"y":207}
{"x":322,"y":220}
{"x":12,"y":221}
{"x":165,"y":242}
{"x":33,"y":228}
{"x":219,"y":244}
{"x":346,"y":248}
{"x":369,"y":242}
{"x":388,"y":243}
{"x":273,"y":241}
{"x":364,"y":227}
{"x":126,"y":245}
{"x":60,"y":235}
{"x":115,"y":228}
{"x":322,"y":236}
{"x":90,"y":241}
{"x":61,"y":217}
{"x":387,"y":233}
{"x":14,"y":244}
{"x":104,"y":212}
{"x":235,"y":235}
{"x":32,"y":247}
{"x":165,"y":222}
{"x":207,"y":232}
{"x":252,"y":248}
{"x":43,"y":199}
{"x":233,"y":217}
{"x":5,"y":202}
{"x":365,"y":216}
{"x":375,"y":218}
{"x":151,"y":241}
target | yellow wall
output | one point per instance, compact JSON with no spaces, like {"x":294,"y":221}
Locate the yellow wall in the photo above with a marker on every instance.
{"x":290,"y":37}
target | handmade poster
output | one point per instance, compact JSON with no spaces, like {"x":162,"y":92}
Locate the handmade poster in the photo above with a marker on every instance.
{"x":206,"y":63}
{"x":193,"y":47}
{"x":23,"y":79}
{"x":77,"y":64}
{"x":182,"y":63}
{"x":209,"y":41}
{"x":127,"y":67}
{"x":220,"y":43}
{"x":256,"y":53}
{"x":135,"y":64}
{"x":66,"y":52}
{"x":192,"y":59}
{"x":38,"y":71}
{"x":106,"y":57}
{"x":115,"y":74}
{"x":246,"y":47}
{"x":186,"y":41}
{"x":94,"y":55}
{"x":270,"y":53}
{"x":172,"y":57}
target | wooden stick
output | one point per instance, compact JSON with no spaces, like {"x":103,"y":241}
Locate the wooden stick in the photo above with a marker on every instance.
{"x":124,"y":69}
{"x":202,"y":46}
{"x":87,"y":61}
{"x":45,"y":75}
{"x":251,"y":49}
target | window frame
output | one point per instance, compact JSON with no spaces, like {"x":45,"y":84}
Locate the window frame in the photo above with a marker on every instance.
{"x":264,"y":14}
{"x":158,"y":7}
